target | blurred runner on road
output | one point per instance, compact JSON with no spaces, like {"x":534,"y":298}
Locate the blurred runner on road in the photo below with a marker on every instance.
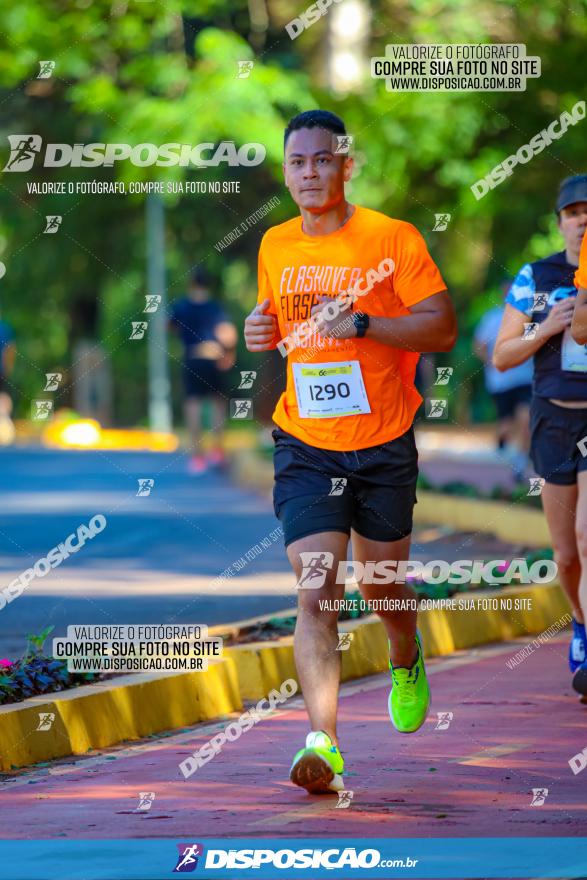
{"x":511,"y":391}
{"x":209,"y":340}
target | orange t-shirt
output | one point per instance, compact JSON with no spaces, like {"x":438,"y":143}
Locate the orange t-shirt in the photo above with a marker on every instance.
{"x":581,"y":273}
{"x":295,"y":268}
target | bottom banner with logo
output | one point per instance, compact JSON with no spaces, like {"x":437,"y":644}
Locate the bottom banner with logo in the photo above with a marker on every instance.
{"x":509,"y":857}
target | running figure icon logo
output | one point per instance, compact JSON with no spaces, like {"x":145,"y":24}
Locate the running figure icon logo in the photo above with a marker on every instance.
{"x":539,"y":795}
{"x":42,"y":409}
{"x":53,"y":380}
{"x":188,"y":857}
{"x":23,"y":150}
{"x":344,"y":641}
{"x":343,"y":143}
{"x":241,"y":409}
{"x":441,"y":222}
{"x":53,"y":222}
{"x":344,"y":800}
{"x":539,"y":302}
{"x":145,"y":487}
{"x":338,"y":485}
{"x":247,"y":379}
{"x":444,"y":719}
{"x":152,"y":301}
{"x":536,"y":485}
{"x":138,"y":329}
{"x":146,"y":799}
{"x":46,"y":720}
{"x":46,"y":68}
{"x":315,"y":566}
{"x":530,"y":331}
{"x":436,"y":409}
{"x":443,"y":375}
{"x":244,"y":69}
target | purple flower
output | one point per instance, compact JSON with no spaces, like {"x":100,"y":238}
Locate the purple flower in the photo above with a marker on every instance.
{"x":5,"y":663}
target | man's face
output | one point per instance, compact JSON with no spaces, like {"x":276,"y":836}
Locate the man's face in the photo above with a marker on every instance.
{"x":573,"y":223}
{"x":314,"y":173}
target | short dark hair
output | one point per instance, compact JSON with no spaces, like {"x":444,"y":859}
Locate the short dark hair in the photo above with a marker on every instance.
{"x":314,"y":119}
{"x":200,"y":277}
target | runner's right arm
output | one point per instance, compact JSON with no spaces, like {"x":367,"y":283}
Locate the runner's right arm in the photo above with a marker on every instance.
{"x":514,"y":344}
{"x":513,"y":348}
{"x":261,"y":328}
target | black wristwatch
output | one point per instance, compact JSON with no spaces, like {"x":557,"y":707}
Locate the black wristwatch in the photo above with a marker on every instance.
{"x":361,"y":322}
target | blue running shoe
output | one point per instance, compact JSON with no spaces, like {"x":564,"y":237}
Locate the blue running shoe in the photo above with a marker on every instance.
{"x":577,"y":652}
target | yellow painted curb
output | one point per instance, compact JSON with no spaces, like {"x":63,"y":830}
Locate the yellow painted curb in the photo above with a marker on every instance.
{"x":507,"y":520}
{"x":105,"y":713}
{"x":130,"y":707}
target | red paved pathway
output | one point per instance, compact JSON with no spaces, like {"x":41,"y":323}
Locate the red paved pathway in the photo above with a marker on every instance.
{"x":512,"y":731}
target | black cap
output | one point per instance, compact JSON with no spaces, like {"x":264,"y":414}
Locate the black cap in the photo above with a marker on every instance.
{"x":571,"y":190}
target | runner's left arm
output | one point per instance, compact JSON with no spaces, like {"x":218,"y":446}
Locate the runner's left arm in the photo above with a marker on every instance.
{"x":579,"y":324}
{"x":430,"y":326}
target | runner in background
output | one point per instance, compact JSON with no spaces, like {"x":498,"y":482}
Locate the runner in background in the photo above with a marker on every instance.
{"x":537,"y":321}
{"x":209,"y":340}
{"x":7,"y":357}
{"x":346,"y":462}
{"x":511,"y":391}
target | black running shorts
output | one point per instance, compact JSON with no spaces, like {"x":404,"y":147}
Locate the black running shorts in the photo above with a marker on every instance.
{"x":555,"y":433}
{"x":372,"y":491}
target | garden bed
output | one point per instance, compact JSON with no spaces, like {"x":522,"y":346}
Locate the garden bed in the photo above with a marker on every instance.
{"x":35,"y":673}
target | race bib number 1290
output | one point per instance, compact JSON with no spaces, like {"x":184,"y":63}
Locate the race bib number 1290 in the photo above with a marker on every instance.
{"x":326,"y":391}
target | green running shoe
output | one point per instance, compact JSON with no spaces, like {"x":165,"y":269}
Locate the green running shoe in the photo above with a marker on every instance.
{"x":409,"y":697}
{"x":318,"y":767}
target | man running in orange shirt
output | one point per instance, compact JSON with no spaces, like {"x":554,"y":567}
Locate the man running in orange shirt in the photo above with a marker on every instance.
{"x":352,"y":297}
